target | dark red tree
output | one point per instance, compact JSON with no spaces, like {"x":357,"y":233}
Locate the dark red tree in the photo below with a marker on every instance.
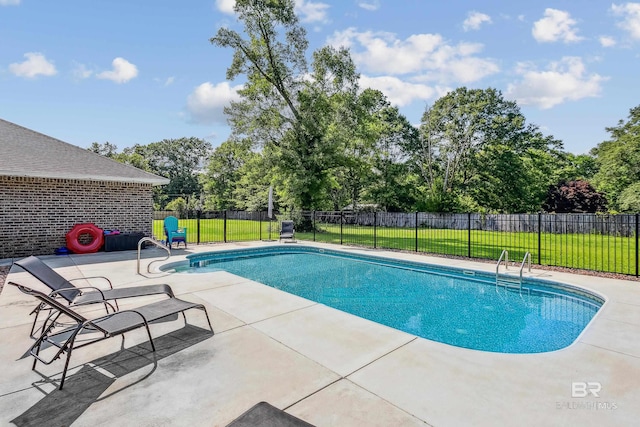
{"x":574,"y":196}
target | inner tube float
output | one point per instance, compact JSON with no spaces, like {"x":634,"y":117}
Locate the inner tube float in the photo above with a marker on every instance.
{"x":73,"y":236}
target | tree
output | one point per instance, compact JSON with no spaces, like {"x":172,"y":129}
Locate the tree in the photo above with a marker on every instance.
{"x":619,"y":158}
{"x":223,"y":173}
{"x":181,"y":160}
{"x":392,"y":187}
{"x":629,"y":199}
{"x":475,"y":145}
{"x":107,"y":149}
{"x":282,"y":109}
{"x":252,"y":191}
{"x":574,"y":197}
{"x":274,"y":67}
{"x":575,"y":167}
{"x":178,"y":205}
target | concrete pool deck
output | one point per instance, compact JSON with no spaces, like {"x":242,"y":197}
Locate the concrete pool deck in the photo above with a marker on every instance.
{"x":319,"y":364}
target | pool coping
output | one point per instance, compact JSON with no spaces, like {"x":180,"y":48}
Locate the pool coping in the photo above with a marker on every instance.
{"x":405,"y":381}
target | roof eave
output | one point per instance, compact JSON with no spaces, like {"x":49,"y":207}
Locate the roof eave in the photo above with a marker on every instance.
{"x":151,"y":180}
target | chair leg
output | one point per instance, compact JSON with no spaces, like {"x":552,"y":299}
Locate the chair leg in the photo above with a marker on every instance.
{"x":64,"y":371}
{"x":207,"y":316}
{"x":35,"y":359}
{"x":153,"y":347}
{"x":69,"y":347}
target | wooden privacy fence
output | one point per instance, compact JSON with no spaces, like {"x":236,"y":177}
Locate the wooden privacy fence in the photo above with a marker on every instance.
{"x":607,"y":243}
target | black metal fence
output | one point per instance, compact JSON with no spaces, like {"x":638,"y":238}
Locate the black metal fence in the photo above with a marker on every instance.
{"x":606,"y":243}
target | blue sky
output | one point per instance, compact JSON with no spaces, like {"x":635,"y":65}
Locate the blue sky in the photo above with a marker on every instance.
{"x":140,"y":71}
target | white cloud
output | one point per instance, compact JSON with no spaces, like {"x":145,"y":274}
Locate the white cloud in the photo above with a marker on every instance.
{"x":165,"y":82}
{"x":226,"y":6}
{"x":607,"y":41}
{"x":122,"y":71}
{"x":9,"y":2}
{"x":475,"y":20}
{"x":556,"y":25}
{"x":428,"y":56}
{"x":370,"y":4}
{"x":206,"y":103}
{"x":399,"y":92}
{"x":564,"y":80}
{"x":35,"y":65}
{"x":309,"y":11}
{"x":80,"y":72}
{"x":630,"y":13}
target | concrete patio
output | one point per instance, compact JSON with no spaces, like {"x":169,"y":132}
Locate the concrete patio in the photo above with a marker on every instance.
{"x":319,"y":364}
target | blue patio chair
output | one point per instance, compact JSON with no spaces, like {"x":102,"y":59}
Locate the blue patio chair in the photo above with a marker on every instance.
{"x":173,"y":232}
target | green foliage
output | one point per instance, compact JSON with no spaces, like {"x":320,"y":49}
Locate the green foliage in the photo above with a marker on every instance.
{"x":629,"y":199}
{"x":297,"y":117}
{"x":252,"y":190}
{"x":224,"y":171}
{"x":107,"y":149}
{"x":475,"y":144}
{"x":181,"y":160}
{"x":619,"y":158}
{"x":178,"y":204}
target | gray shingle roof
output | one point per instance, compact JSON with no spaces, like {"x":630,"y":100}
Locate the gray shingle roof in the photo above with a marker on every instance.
{"x":24,"y":152}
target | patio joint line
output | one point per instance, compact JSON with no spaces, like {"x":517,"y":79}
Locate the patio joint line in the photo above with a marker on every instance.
{"x":604,"y":316}
{"x":389,"y":402}
{"x":610,"y":349}
{"x":15,"y":391}
{"x":285,"y":312}
{"x":384,"y":355}
{"x":314,"y":393}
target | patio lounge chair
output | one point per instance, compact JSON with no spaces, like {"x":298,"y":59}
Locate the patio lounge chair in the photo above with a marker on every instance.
{"x":173,"y":232}
{"x":287,"y":231}
{"x":74,"y":295}
{"x":104,"y":327}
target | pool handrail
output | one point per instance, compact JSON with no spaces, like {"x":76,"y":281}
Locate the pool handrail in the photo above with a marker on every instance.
{"x":158,"y":244}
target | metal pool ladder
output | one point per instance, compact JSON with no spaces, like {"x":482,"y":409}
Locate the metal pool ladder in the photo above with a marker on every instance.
{"x":158,"y":244}
{"x":507,"y":280}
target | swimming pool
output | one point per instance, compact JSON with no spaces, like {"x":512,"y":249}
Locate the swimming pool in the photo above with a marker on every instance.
{"x":458,"y":307}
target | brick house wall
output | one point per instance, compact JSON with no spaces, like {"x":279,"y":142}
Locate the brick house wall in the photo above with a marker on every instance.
{"x":37,"y":213}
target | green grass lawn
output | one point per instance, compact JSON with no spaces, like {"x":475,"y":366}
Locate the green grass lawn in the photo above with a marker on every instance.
{"x":584,"y":251}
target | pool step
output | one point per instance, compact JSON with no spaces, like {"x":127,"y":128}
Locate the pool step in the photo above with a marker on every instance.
{"x":507,"y":280}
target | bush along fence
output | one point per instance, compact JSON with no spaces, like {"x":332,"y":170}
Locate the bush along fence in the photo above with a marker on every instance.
{"x":605,"y":243}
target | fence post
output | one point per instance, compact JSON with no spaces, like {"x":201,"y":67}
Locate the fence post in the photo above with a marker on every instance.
{"x":540,"y":238}
{"x":469,"y":234}
{"x":416,"y":231}
{"x":198,"y":215}
{"x":375,"y":222}
{"x":313,"y":222}
{"x":637,"y":218}
{"x":224,"y":227}
{"x":260,"y":222}
{"x":341,"y":221}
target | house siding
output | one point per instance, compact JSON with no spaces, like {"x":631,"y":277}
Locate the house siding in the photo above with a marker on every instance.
{"x":37,"y":213}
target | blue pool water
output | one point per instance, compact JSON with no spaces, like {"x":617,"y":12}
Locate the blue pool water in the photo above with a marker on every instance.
{"x":456,"y":307}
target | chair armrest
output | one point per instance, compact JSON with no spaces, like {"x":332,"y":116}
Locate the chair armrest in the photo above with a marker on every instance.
{"x":77,"y":288}
{"x":93,"y":277}
{"x":102,"y":300}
